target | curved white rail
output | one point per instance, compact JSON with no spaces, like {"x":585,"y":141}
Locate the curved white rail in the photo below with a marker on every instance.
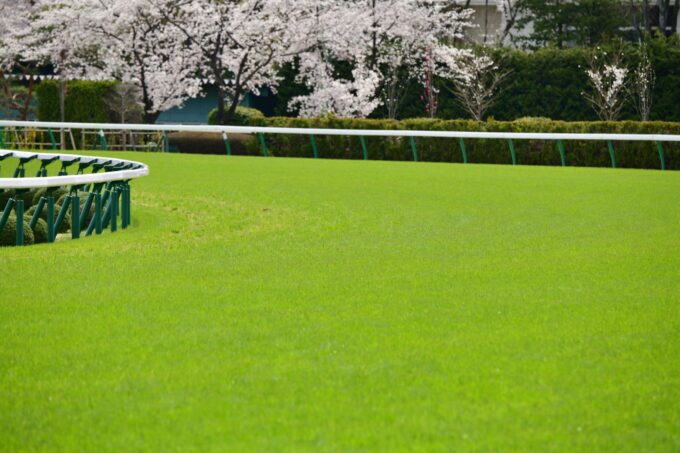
{"x":137,"y":170}
{"x":346,"y":132}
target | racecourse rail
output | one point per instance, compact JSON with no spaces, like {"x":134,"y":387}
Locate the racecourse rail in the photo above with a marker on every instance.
{"x":107,"y":194}
{"x":261,"y":132}
{"x":109,"y":189}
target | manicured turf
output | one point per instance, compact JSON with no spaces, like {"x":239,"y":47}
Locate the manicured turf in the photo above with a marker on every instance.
{"x":282,"y":304}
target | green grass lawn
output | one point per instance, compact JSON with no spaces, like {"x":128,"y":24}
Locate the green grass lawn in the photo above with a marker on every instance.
{"x":284,"y":304}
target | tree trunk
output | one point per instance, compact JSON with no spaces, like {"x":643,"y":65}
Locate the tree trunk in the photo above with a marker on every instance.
{"x":220,"y":103}
{"x":27,"y":102}
{"x":234,"y":104}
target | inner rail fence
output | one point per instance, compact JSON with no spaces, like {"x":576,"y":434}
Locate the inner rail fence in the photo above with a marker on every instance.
{"x":86,"y":196}
{"x":105,"y":131}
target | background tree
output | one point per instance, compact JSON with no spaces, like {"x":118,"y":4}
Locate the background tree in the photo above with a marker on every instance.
{"x":607,"y":75}
{"x":581,"y":22}
{"x":241,"y":43}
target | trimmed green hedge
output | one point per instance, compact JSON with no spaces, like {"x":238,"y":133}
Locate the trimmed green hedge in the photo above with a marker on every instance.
{"x":242,"y":116}
{"x":529,"y":152}
{"x":85,"y":101}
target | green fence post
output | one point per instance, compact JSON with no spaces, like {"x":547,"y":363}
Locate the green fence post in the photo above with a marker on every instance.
{"x":5,"y":214}
{"x":612,"y":153}
{"x":114,"y":209}
{"x":62,"y":214}
{"x":38,"y":211}
{"x":166,"y":142}
{"x":563,"y":157}
{"x":263,"y":142}
{"x":227,"y":145}
{"x":19,"y":210}
{"x":75,"y":215}
{"x":52,"y":138}
{"x":314,"y":148}
{"x":126,"y":205}
{"x":129,"y":202}
{"x":51,"y":234}
{"x":364,"y":148}
{"x":102,"y":139}
{"x":662,"y":159}
{"x":513,"y":154}
{"x":463,"y":151}
{"x":2,"y":137}
{"x":86,"y":209}
{"x":414,"y":150}
{"x":98,"y":213}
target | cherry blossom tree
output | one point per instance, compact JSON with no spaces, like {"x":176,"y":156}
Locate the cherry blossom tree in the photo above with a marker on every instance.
{"x":390,"y":39}
{"x":607,"y":76}
{"x":117,"y":40}
{"x":15,"y":18}
{"x":475,"y":80}
{"x":642,"y":83}
{"x":241,"y":43}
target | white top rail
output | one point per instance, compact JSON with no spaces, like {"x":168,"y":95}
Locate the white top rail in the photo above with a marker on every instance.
{"x":139,"y":170}
{"x":346,"y":132}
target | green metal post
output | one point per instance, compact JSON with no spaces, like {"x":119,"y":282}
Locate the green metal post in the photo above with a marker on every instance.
{"x":263,"y":142}
{"x":123,"y":207}
{"x":128,"y":188}
{"x":662,"y":159}
{"x":364,"y":148}
{"x":314,"y":148}
{"x":513,"y":153}
{"x":75,"y":215}
{"x":5,"y":214}
{"x":19,"y":209}
{"x":463,"y":151}
{"x":86,"y":209}
{"x":563,"y":157}
{"x":98,"y":213}
{"x":166,"y":142}
{"x":51,"y":234}
{"x":38,"y":211}
{"x":114,"y":210}
{"x":102,"y":138}
{"x":2,"y":137}
{"x":62,"y":214}
{"x":227,"y":145}
{"x":414,"y":150}
{"x":52,"y":138}
{"x":612,"y":153}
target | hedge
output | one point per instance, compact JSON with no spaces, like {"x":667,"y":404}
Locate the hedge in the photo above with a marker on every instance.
{"x":242,"y":116}
{"x":85,"y":101}
{"x":529,"y":152}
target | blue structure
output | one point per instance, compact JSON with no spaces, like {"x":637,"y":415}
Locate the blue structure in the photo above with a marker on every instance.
{"x":195,"y":111}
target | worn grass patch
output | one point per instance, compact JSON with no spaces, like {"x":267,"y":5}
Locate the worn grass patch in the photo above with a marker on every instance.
{"x":283,"y":304}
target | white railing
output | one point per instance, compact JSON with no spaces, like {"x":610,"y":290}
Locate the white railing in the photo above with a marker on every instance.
{"x":345,"y":132}
{"x":135,"y":170}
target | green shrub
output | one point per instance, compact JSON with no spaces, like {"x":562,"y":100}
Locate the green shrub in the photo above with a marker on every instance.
{"x":57,"y":193}
{"x":529,"y":152}
{"x":40,"y":231}
{"x":85,"y":101}
{"x":26,"y":196}
{"x":242,"y":116}
{"x":8,"y":233}
{"x":65,"y":225}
